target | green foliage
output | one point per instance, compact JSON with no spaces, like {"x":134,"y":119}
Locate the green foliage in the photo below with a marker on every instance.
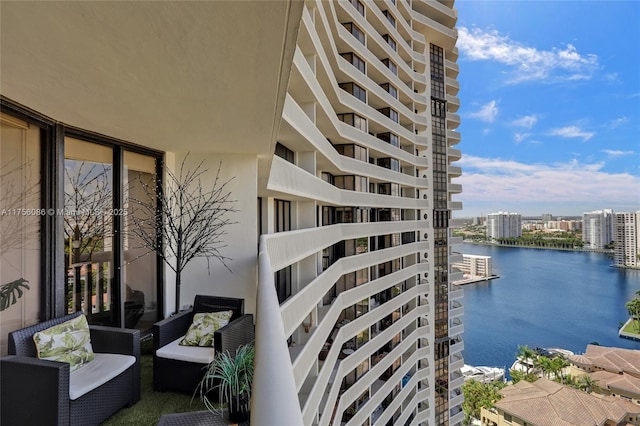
{"x":231,"y":376}
{"x":11,"y":292}
{"x":478,"y":395}
{"x":633,"y":308}
{"x":517,"y":375}
{"x":526,"y":354}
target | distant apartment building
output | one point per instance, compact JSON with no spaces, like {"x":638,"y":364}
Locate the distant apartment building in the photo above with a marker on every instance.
{"x":478,"y":266}
{"x":598,"y":228}
{"x":504,"y":225}
{"x":627,"y":240}
{"x":546,"y":217}
{"x":564,"y":225}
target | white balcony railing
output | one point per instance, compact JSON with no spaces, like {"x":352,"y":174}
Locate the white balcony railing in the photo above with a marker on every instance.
{"x":273,"y":369}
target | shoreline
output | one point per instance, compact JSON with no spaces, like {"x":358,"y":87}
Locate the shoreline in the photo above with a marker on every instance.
{"x":605,"y":251}
{"x":475,"y":279}
{"x":579,"y":250}
{"x":626,"y":334}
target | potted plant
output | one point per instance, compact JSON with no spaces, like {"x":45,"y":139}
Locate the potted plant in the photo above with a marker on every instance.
{"x":231,"y":376}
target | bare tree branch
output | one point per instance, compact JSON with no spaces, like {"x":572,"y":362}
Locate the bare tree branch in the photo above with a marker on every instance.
{"x":190,"y":216}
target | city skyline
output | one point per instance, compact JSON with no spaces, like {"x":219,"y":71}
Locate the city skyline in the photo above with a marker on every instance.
{"x":550,"y":109}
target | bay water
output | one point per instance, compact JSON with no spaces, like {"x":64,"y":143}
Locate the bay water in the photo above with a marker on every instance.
{"x":544,"y":298}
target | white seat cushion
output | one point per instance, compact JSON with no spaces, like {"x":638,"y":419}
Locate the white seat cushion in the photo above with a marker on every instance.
{"x":97,"y":372}
{"x":199,"y":354}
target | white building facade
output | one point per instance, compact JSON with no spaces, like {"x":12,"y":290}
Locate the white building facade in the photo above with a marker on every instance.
{"x":475,"y":265}
{"x":598,"y":228}
{"x":627,"y":241}
{"x":504,"y":225}
{"x":337,"y":122}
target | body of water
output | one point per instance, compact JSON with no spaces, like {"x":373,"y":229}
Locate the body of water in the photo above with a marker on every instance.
{"x":544,"y":298}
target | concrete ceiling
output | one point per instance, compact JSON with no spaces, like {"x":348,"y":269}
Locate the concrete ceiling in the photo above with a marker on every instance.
{"x":208,"y":76}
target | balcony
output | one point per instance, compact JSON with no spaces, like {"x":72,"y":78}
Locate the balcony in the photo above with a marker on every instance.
{"x":454,"y":188}
{"x":453,"y":103}
{"x":452,"y":86}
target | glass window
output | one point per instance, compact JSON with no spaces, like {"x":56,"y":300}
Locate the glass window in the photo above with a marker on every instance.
{"x":390,"y":18}
{"x":140,"y":272}
{"x":391,"y":113}
{"x":355,"y":60}
{"x":358,"y":5}
{"x":355,"y":31}
{"x":355,"y":90}
{"x":284,"y":152}
{"x":390,"y":41}
{"x":390,"y":89}
{"x":20,"y":206}
{"x":354,"y":120}
{"x":389,"y":163}
{"x":391,"y":65}
{"x":390,"y":138}
{"x":88,"y":230}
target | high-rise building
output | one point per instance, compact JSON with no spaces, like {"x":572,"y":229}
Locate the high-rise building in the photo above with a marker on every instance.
{"x":627,"y":239}
{"x":598,"y":228}
{"x":504,"y":225}
{"x":336,"y":120}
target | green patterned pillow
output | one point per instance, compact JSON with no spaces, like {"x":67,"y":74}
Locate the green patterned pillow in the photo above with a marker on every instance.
{"x":204,"y":325}
{"x":69,"y":342}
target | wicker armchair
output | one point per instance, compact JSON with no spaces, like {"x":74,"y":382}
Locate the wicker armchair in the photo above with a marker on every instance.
{"x":183,"y":376}
{"x":35,"y":391}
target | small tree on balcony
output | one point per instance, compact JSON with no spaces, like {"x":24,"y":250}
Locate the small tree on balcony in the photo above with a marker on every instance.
{"x":185,"y":220}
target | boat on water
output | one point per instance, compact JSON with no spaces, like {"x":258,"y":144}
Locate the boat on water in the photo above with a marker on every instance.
{"x":482,"y":374}
{"x":527,"y":365}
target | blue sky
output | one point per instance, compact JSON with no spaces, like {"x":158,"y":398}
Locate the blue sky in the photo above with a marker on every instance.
{"x":550,"y":106}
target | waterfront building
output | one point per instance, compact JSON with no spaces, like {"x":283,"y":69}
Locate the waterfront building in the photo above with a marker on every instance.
{"x":564,"y":225}
{"x":504,"y":225}
{"x":627,"y":240}
{"x":474,"y":265}
{"x":336,"y":121}
{"x":545,"y":402}
{"x":598,"y":228}
{"x":615,"y":370}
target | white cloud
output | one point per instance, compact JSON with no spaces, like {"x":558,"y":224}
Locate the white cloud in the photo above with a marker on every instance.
{"x":618,"y":121}
{"x":528,"y":121}
{"x":527,"y":63}
{"x":617,"y":153}
{"x":519,"y":137}
{"x":507,"y":181}
{"x":571,"y":132}
{"x":487,"y":112}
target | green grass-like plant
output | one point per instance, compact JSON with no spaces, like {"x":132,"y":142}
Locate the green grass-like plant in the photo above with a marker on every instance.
{"x":231,"y":376}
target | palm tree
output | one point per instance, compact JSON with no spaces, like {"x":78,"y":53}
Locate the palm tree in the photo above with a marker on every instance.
{"x":526,"y":354}
{"x":558,"y":364}
{"x":587,"y":383}
{"x":633,"y":308}
{"x":543,"y":363}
